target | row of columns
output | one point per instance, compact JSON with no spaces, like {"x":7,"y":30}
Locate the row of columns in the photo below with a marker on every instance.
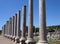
{"x":12,"y":28}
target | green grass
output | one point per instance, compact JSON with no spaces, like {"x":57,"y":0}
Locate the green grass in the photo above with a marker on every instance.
{"x":50,"y":41}
{"x":36,"y":39}
{"x":53,"y":42}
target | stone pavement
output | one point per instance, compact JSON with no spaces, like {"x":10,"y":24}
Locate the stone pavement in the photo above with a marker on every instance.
{"x":4,"y":40}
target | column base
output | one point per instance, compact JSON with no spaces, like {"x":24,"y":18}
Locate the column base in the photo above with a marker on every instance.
{"x":5,"y":35}
{"x":30,"y":41}
{"x":22,"y":40}
{"x":17,"y":39}
{"x":42,"y":42}
{"x":9,"y":36}
{"x":13,"y":38}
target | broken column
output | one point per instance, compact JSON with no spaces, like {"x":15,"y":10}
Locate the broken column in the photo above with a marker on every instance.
{"x":23,"y":37}
{"x":42,"y":23}
{"x":30,"y":39}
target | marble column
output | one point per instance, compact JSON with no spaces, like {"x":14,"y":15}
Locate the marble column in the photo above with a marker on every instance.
{"x":18,"y":28}
{"x":15,"y":26}
{"x":7,"y":27}
{"x":42,"y":22}
{"x":23,"y":37}
{"x":6,"y":30}
{"x":3,"y":30}
{"x":10,"y":27}
{"x":30,"y":39}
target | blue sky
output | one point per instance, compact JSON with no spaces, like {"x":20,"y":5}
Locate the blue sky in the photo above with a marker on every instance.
{"x":8,"y":8}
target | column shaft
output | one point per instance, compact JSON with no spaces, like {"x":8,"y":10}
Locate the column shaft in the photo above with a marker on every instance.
{"x":24,"y":21}
{"x":22,"y":40}
{"x":7,"y":28}
{"x":4,"y":29}
{"x":18,"y":28}
{"x":18,"y":23}
{"x":30,"y":24}
{"x":12,"y":26}
{"x":42,"y":22}
{"x":15,"y":27}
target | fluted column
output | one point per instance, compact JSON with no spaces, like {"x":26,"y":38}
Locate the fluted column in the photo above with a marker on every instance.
{"x":18,"y":28}
{"x":30,"y":39}
{"x":42,"y":22}
{"x":22,"y":40}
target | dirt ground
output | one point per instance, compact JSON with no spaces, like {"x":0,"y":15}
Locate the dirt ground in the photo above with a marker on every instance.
{"x":4,"y":40}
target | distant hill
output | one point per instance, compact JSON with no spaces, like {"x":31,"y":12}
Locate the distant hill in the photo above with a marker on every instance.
{"x":55,"y":27}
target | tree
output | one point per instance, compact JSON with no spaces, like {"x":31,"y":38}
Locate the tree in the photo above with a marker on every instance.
{"x":51,"y":30}
{"x":33,"y":29}
{"x":37,"y":29}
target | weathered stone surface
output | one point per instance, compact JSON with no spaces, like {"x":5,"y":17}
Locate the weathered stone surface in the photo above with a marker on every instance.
{"x":22,"y":39}
{"x":12,"y":27}
{"x":18,"y":28}
{"x":15,"y":26}
{"x":42,"y":22}
{"x":30,"y":39}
